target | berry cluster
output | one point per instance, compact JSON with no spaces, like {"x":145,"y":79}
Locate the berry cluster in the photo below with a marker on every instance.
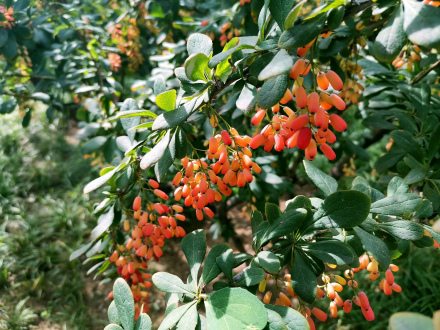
{"x":115,"y":61}
{"x":431,"y":3}
{"x":148,"y":233}
{"x":409,"y":56}
{"x":296,"y":129}
{"x":7,"y":13}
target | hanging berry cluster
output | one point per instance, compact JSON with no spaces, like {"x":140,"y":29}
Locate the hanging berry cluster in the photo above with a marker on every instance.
{"x":331,"y":288}
{"x":308,"y":127}
{"x":408,"y":56}
{"x":8,"y":16}
{"x":149,"y":230}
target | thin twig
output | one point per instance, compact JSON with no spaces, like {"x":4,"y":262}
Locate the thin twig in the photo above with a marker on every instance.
{"x":423,"y":74}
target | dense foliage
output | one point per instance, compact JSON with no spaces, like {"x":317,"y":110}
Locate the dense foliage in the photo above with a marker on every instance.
{"x":213,"y":103}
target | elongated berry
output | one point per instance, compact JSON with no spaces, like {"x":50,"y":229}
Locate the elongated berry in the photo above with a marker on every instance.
{"x":297,"y":68}
{"x":389,"y":277}
{"x":313,"y":102}
{"x":327,"y":151}
{"x":267,"y":297}
{"x":279,"y":143}
{"x":338,"y":123}
{"x":319,"y":314}
{"x":311,"y":150}
{"x":347,"y":306}
{"x":287,"y":97}
{"x":160,"y":194}
{"x":226,"y":138}
{"x":311,"y":323}
{"x":257,"y":140}
{"x":333,"y":309}
{"x":363,"y":300}
{"x":396,"y":287}
{"x":368,"y":314}
{"x":304,"y":137}
{"x":322,"y":81}
{"x":262,"y":286}
{"x":137,"y":203}
{"x":258,"y":117}
{"x":299,"y":122}
{"x":334,"y":80}
{"x":301,"y":97}
{"x":153,"y":183}
{"x":337,"y":102}
{"x":285,"y":300}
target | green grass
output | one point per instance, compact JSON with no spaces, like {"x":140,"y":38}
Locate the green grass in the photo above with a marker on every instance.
{"x":43,"y":218}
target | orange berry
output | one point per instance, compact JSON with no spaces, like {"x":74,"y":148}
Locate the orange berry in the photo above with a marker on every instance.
{"x":338,"y":123}
{"x":337,"y":102}
{"x":394,"y":268}
{"x":157,"y":251}
{"x":331,"y":291}
{"x":153,"y":183}
{"x":304,"y":136}
{"x":126,"y":225}
{"x":287,"y":97}
{"x":137,"y":203}
{"x":142,"y":251}
{"x":334,"y":80}
{"x":347,"y":306}
{"x":313,"y":102}
{"x":311,"y":323}
{"x":363,"y":300}
{"x":226,"y":138}
{"x":357,"y":301}
{"x":389,"y":277}
{"x":189,"y":170}
{"x":301,"y":97}
{"x":322,"y":80}
{"x":204,"y":23}
{"x":320,"y":293}
{"x":297,"y":68}
{"x":330,"y":136}
{"x":114,"y":256}
{"x":396,"y":287}
{"x":267,"y":297}
{"x":368,"y":314}
{"x":160,"y":194}
{"x":257,"y":140}
{"x":285,"y":300}
{"x":299,"y":123}
{"x":279,"y":143}
{"x":333,"y":309}
{"x":327,"y":151}
{"x":387,"y":288}
{"x":311,"y":150}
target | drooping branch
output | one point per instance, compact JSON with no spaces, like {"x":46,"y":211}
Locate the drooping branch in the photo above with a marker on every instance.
{"x":423,"y":74}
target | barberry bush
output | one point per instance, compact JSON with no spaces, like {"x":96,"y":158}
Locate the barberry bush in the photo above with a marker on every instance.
{"x":188,"y":107}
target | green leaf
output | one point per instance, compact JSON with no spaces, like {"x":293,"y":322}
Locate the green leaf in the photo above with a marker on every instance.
{"x":274,"y":320}
{"x":104,"y":222}
{"x":414,"y":176}
{"x":374,"y":245}
{"x":280,"y":10}
{"x":124,"y":303}
{"x":189,"y":320}
{"x":95,"y":184}
{"x":251,"y":276}
{"x":135,"y":113}
{"x":298,"y":202}
{"x":325,"y":182}
{"x":127,"y":123}
{"x":41,"y":96}
{"x":174,"y":118}
{"x":143,"y":322}
{"x":83,"y":249}
{"x":272,"y":91}
{"x":240,"y":258}
{"x":234,"y":308}
{"x":421,"y":24}
{"x":172,"y":318}
{"x":93,"y":144}
{"x":195,"y":67}
{"x":240,"y":43}
{"x":424,"y":211}
{"x":292,"y":318}
{"x":194,"y":248}
{"x":397,"y":204}
{"x":281,"y":63}
{"x":226,"y":262}
{"x":3,"y":37}
{"x":303,"y":279}
{"x":112,"y":313}
{"x":273,"y":212}
{"x":434,"y":143}
{"x":435,"y":234}
{"x":301,"y":35}
{"x":288,"y":223}
{"x":167,"y":282}
{"x":163,"y":165}
{"x":391,"y":38}
{"x":159,"y":85}
{"x":369,"y":225}
{"x":342,"y":209}
{"x":406,"y":140}
{"x":403,"y":229}
{"x":397,"y":186}
{"x":247,"y":99}
{"x":291,"y":17}
{"x":268,"y":261}
{"x":335,"y":17}
{"x":167,"y":100}
{"x":113,"y":327}
{"x":256,"y":220}
{"x":21,"y":4}
{"x":210,"y":269}
{"x":199,"y":43}
{"x":155,"y":154}
{"x":410,"y":321}
{"x":330,"y":251}
{"x":178,"y":144}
